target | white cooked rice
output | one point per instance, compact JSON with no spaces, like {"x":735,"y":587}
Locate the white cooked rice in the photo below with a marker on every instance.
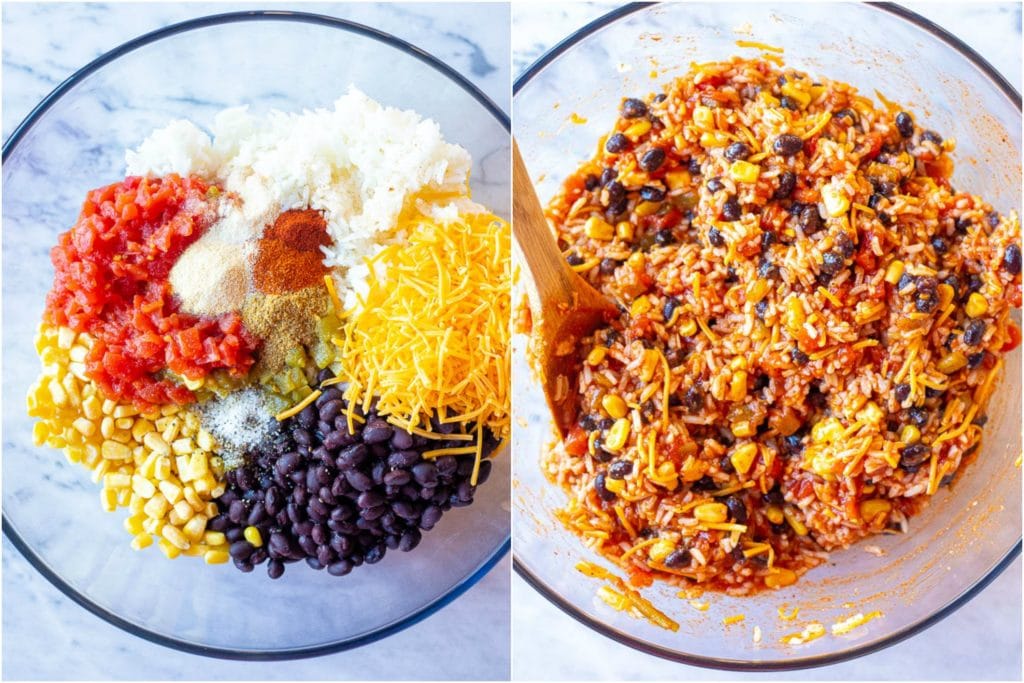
{"x":358,"y":163}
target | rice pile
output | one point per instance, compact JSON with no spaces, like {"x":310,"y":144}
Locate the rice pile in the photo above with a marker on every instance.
{"x":359,"y":163}
{"x":813,"y":322}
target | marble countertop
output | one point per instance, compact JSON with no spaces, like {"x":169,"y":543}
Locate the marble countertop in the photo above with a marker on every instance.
{"x":46,"y":635}
{"x":982,"y":640}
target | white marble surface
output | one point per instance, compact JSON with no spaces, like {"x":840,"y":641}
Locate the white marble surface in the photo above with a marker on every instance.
{"x":46,"y":636}
{"x":982,"y":640}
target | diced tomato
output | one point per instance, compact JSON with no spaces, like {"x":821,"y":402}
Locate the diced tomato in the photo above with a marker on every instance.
{"x":110,"y":280}
{"x":576,"y":441}
{"x":1013,"y":332}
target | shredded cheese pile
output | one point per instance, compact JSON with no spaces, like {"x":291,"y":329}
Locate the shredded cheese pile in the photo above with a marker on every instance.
{"x":431,"y":333}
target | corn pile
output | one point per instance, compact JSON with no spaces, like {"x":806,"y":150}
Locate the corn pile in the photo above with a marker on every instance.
{"x":158,"y":464}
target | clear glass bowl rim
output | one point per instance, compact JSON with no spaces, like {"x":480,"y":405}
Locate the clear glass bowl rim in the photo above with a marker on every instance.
{"x":9,"y":529}
{"x":552,"y":596}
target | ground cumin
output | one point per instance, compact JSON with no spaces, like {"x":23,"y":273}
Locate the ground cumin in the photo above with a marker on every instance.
{"x":283,"y":321}
{"x":288,"y":256}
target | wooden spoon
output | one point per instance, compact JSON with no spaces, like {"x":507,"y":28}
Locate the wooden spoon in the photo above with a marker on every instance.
{"x":564,"y":307}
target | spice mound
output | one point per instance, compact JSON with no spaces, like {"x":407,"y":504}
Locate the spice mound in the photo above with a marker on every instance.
{"x":200,"y":359}
{"x":813,"y":321}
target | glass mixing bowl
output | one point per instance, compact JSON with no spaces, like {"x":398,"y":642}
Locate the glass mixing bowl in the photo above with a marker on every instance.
{"x":74,"y":141}
{"x":970,"y":532}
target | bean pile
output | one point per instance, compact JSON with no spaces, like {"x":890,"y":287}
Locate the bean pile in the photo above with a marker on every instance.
{"x":336,"y":499}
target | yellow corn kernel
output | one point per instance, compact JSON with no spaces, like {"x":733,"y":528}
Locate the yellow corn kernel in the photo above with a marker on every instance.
{"x":598,"y":229}
{"x":84,"y":426}
{"x":871,"y":413}
{"x":781,"y":578}
{"x":757,"y":290}
{"x":108,"y":499}
{"x":872,"y":508}
{"x":703,"y":117}
{"x":951,"y":362}
{"x":794,"y":521}
{"x":216,"y":556}
{"x":183,"y":510}
{"x":168,"y":549}
{"x":136,"y":506}
{"x":744,"y":172}
{"x":108,"y":407}
{"x":194,"y":528}
{"x":791,"y":90}
{"x":615,"y":485}
{"x":123,"y":422}
{"x":676,"y":180}
{"x":198,"y":465}
{"x":946,"y":294}
{"x":153,"y":526}
{"x":175,"y":536}
{"x":743,"y":457}
{"x":910,"y":435}
{"x":141,"y":540}
{"x":205,"y":440}
{"x":617,"y":435}
{"x":738,"y":386}
{"x":774,"y":514}
{"x":195,"y":550}
{"x":827,"y":430}
{"x":638,"y":129}
{"x":688,"y":327}
{"x":649,"y":364}
{"x":112,"y":450}
{"x":835,"y":200}
{"x":624,"y":230}
{"x":154,"y":442}
{"x":715,"y":139}
{"x":140,"y":428}
{"x":91,"y":408}
{"x":714,"y":513}
{"x":636,"y":260}
{"x":182,"y":446}
{"x":57,"y":393}
{"x":640,"y":305}
{"x":977,"y":305}
{"x":795,"y":316}
{"x":252,"y":534}
{"x":142,"y":487}
{"x":214,"y":538}
{"x":157,"y":507}
{"x":133,"y":524}
{"x":65,"y":338}
{"x":647,"y":208}
{"x":117,"y":480}
{"x":596,"y":355}
{"x":743,"y":429}
{"x":662,"y":549}
{"x":162,"y":468}
{"x":614,"y":406}
{"x":894,"y":272}
{"x":190,"y":423}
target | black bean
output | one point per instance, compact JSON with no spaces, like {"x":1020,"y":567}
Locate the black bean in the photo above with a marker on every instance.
{"x":725,"y":463}
{"x":926,"y":298}
{"x":904,"y":124}
{"x":917,"y":416}
{"x":787,"y":145}
{"x":678,"y":558}
{"x":914,"y":456}
{"x":731,"y":210}
{"x":715,"y":237}
{"x":761,"y":308}
{"x":993,"y":219}
{"x":873,"y":201}
{"x":715,"y":184}
{"x":591,"y":182}
{"x":339,"y":568}
{"x":798,"y":356}
{"x":236,"y":512}
{"x":694,"y":167}
{"x":602,"y":491}
{"x":832,"y":262}
{"x":737,"y":509}
{"x":608,"y":175}
{"x":974,"y":331}
{"x":737,"y":151}
{"x":810,"y":219}
{"x":241,"y":550}
{"x":409,"y":540}
{"x":766,"y":269}
{"x":940,"y":245}
{"x":1011,"y":259}
{"x":650,"y":193}
{"x":330,"y":410}
{"x":425,"y":474}
{"x":620,"y":469}
{"x":616,"y":191}
{"x":694,"y":399}
{"x":905,"y":281}
{"x":787,"y":183}
{"x":431,"y":515}
{"x":975,"y":359}
{"x":652,"y":160}
{"x":377,"y":431}
{"x":845,"y":245}
{"x":846,"y":113}
{"x":616,"y":143}
{"x":932,"y":136}
{"x":632,"y":108}
{"x":671,"y":304}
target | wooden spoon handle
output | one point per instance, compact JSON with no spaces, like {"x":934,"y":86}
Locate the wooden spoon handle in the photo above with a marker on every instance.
{"x":536,"y":243}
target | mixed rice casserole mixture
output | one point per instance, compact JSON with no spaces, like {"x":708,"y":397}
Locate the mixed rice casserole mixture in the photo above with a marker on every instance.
{"x":812,"y":322}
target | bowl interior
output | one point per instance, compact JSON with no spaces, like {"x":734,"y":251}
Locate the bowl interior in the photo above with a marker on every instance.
{"x":968,"y":529}
{"x":78,"y":144}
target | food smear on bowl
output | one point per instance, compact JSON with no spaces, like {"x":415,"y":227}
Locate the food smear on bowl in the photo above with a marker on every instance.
{"x":813,"y":321}
{"x":281,"y":342}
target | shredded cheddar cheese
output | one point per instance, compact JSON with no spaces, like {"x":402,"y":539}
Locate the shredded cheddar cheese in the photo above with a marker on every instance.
{"x":430,"y":337}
